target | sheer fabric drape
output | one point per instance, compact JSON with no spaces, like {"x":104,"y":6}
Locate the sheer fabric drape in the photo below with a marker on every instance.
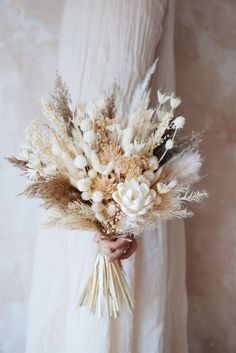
{"x":101,"y":42}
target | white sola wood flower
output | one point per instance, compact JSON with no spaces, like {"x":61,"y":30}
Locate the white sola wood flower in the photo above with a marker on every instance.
{"x":134,"y":198}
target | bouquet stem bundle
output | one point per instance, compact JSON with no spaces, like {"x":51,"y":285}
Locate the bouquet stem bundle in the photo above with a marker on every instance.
{"x":106,"y":288}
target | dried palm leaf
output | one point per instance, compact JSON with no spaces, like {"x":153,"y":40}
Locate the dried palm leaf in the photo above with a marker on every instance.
{"x":186,"y":195}
{"x":72,"y":222}
{"x":81,"y":209}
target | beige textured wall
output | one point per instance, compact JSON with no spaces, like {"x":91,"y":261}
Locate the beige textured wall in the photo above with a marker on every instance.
{"x":206,"y":79}
{"x":28,"y":55}
{"x":206,"y":57}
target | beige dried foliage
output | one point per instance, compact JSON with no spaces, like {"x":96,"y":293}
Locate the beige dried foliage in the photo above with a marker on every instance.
{"x":109,"y":152}
{"x":38,"y":143}
{"x":164,"y":119}
{"x":101,"y":127}
{"x":72,"y":222}
{"x":81,"y":209}
{"x":131,"y":167}
{"x":55,"y":192}
{"x":60,"y":103}
{"x":18,"y":163}
{"x":105,"y":184}
{"x":77,"y":215}
{"x":172,"y":202}
{"x":56,"y":122}
{"x":58,"y":110}
{"x":110,"y":108}
{"x":185,"y":194}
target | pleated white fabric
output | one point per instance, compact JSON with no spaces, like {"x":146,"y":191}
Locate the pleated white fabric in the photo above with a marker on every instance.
{"x":103,"y":41}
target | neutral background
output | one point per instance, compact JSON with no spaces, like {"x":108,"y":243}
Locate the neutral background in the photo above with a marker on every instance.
{"x":206,"y":80}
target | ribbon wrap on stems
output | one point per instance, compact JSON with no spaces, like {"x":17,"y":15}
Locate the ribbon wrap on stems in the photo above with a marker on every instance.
{"x":107,"y":287}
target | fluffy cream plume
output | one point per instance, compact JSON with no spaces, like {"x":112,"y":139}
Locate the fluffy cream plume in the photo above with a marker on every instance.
{"x":72,"y":222}
{"x":184,"y":167}
{"x":127,"y":136}
{"x":141,"y":90}
{"x":98,"y":166}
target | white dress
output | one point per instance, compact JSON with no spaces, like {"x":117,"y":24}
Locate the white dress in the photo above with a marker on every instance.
{"x":103,"y":41}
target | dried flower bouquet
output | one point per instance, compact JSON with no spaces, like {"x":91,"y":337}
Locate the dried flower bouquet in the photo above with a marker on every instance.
{"x":112,"y":168}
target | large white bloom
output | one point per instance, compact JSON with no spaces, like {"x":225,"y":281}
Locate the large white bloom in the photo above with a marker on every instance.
{"x":134,"y":198}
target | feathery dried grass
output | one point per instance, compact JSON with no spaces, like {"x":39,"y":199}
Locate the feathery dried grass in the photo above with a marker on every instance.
{"x":172,"y":202}
{"x":77,"y":215}
{"x":186,"y":195}
{"x":60,"y":101}
{"x":184,"y":167}
{"x":72,"y":222}
{"x":109,"y":152}
{"x":55,"y":192}
{"x":171,"y":207}
{"x":58,"y":110}
{"x":110,"y":104}
{"x":80,"y":209}
{"x":106,"y":185}
{"x":18,"y":163}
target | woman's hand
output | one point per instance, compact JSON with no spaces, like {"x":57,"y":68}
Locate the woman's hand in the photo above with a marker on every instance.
{"x":121,"y":248}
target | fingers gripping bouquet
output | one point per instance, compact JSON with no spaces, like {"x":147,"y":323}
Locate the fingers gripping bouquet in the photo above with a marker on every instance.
{"x":112,"y":168}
